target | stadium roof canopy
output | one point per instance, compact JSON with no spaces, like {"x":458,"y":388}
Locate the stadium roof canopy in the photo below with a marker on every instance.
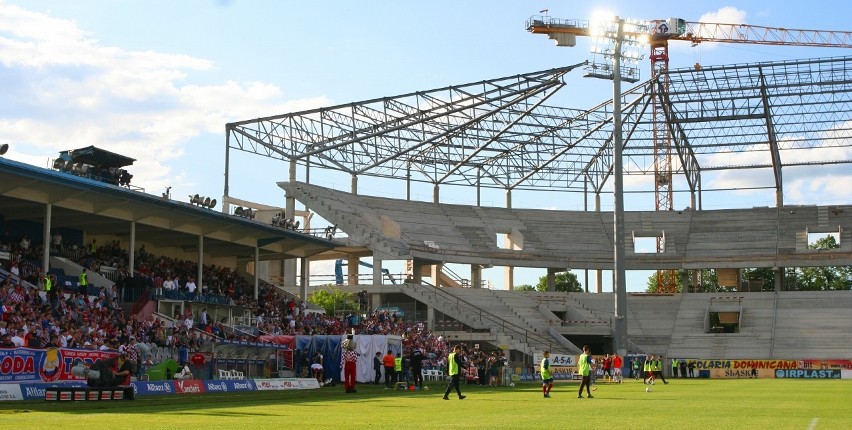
{"x":99,"y":208}
{"x":98,"y":157}
{"x":503,"y":133}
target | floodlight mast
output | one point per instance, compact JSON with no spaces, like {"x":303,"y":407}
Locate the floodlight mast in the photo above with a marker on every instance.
{"x":661,"y":31}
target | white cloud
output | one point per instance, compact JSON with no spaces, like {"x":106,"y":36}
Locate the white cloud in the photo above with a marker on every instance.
{"x":725,"y":15}
{"x":62,"y":89}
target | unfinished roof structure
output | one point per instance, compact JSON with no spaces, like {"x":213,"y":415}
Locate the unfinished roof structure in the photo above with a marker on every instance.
{"x":503,"y":133}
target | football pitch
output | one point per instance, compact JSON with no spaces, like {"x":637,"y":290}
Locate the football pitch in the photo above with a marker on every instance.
{"x":682,"y":404}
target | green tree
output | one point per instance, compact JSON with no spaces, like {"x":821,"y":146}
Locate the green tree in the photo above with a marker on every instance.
{"x":332,"y":299}
{"x":706,"y":281}
{"x":564,"y":281}
{"x":524,"y":287}
{"x":761,"y":274}
{"x":823,"y":278}
{"x":652,"y":281}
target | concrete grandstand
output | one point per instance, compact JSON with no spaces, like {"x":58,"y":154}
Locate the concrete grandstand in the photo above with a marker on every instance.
{"x":502,"y":136}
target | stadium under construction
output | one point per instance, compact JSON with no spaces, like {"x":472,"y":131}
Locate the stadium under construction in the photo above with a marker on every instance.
{"x":503,"y":137}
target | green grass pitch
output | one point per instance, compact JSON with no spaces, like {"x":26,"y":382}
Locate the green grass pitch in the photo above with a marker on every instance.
{"x":682,"y":404}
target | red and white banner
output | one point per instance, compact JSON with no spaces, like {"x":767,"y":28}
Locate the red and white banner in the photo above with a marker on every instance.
{"x":44,"y":365}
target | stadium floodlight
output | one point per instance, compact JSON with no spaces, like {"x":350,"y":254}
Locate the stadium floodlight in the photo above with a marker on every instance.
{"x":59,"y":164}
{"x":240,"y":211}
{"x":296,"y":225}
{"x":205,"y":202}
{"x":4,"y":148}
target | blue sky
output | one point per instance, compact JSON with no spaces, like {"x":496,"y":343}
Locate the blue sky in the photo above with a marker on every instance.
{"x":158,"y":80}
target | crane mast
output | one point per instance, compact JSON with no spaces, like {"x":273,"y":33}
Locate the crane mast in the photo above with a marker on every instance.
{"x":565,"y":31}
{"x":663,"y":191}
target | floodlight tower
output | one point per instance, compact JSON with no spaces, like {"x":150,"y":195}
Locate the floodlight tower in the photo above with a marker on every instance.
{"x":610,"y":60}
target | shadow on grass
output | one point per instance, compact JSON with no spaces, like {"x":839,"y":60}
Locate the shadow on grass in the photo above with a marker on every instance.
{"x":219,"y":404}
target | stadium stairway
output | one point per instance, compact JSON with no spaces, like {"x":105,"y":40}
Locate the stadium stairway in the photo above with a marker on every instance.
{"x":486,"y":314}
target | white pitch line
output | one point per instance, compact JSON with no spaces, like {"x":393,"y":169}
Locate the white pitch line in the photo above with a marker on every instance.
{"x":813,"y":424}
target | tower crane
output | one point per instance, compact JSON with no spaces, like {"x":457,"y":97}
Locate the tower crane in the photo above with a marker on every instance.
{"x":565,"y":31}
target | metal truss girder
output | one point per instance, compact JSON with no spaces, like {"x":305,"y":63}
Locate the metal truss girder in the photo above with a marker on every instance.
{"x":770,"y":134}
{"x":496,"y":136}
{"x":603,"y":158}
{"x":442,"y":140}
{"x":499,"y":133}
{"x":691,"y":167}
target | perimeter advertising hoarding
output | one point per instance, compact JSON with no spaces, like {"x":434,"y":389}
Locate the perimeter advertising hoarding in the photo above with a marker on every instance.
{"x":31,"y":391}
{"x":741,"y":373}
{"x":44,"y":365}
{"x":561,"y":366}
{"x":227,"y":386}
{"x":745,"y":369}
{"x":285,"y":384}
{"x":807,"y":373}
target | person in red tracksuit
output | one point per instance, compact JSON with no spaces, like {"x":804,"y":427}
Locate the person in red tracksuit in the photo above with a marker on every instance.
{"x":350,"y":360}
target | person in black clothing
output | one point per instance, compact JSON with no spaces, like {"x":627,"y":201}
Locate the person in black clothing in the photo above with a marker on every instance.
{"x":416,"y":361}
{"x":377,"y":366}
{"x":125,"y":369}
{"x":306,"y":362}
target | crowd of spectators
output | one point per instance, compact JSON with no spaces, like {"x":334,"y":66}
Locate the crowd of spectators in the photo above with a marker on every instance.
{"x":34,"y":319}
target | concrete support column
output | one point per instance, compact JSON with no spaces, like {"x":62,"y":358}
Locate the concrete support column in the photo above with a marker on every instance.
{"x":684,"y":280}
{"x":375,"y":300}
{"x":132,"y":251}
{"x":509,"y":278}
{"x":435,"y":273}
{"x":198,"y":279}
{"x":599,"y":280}
{"x":475,"y":276}
{"x":378,"y":278}
{"x":508,"y":199}
{"x":478,"y":186}
{"x":45,"y":257}
{"x":417,"y":271}
{"x":408,"y":181}
{"x":551,"y":279}
{"x":303,"y":282}
{"x":288,"y":273}
{"x":436,"y":194}
{"x":430,"y":318}
{"x":779,"y":278}
{"x":599,"y":274}
{"x":352,"y":270}
{"x":354,"y":185}
{"x":256,"y":277}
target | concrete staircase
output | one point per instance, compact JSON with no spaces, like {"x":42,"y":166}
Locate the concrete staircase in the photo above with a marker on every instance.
{"x":482,"y":309}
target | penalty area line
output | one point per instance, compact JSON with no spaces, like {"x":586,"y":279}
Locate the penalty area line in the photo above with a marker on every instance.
{"x":813,"y":423}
